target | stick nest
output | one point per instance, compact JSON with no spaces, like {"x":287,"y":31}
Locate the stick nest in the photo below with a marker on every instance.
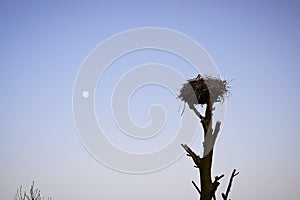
{"x":202,"y":90}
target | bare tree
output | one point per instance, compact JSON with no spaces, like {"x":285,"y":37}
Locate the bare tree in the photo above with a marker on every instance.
{"x":34,"y":194}
{"x":207,"y":91}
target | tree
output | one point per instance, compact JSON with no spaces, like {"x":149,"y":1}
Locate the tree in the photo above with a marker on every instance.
{"x":208,"y":90}
{"x":34,"y":194}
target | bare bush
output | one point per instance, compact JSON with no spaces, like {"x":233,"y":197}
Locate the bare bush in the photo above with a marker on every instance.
{"x":34,"y":194}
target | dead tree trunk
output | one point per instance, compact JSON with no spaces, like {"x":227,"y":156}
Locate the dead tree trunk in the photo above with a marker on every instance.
{"x":208,"y":187}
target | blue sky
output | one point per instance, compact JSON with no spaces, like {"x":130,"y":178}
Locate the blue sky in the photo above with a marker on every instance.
{"x":254,"y":43}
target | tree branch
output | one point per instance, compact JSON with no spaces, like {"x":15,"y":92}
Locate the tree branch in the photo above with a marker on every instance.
{"x":196,"y":158}
{"x":197,"y":188}
{"x":196,"y":112}
{"x":210,"y":138}
{"x":215,"y":185}
{"x":234,"y":173}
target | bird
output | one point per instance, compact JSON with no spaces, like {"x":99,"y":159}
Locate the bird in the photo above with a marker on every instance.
{"x":199,"y":77}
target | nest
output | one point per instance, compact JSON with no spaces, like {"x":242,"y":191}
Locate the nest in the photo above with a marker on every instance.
{"x":202,"y":90}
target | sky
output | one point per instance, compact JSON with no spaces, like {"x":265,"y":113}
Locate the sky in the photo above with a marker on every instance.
{"x":255,"y":44}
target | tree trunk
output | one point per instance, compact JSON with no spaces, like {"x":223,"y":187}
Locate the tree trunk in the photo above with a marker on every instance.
{"x":208,"y":186}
